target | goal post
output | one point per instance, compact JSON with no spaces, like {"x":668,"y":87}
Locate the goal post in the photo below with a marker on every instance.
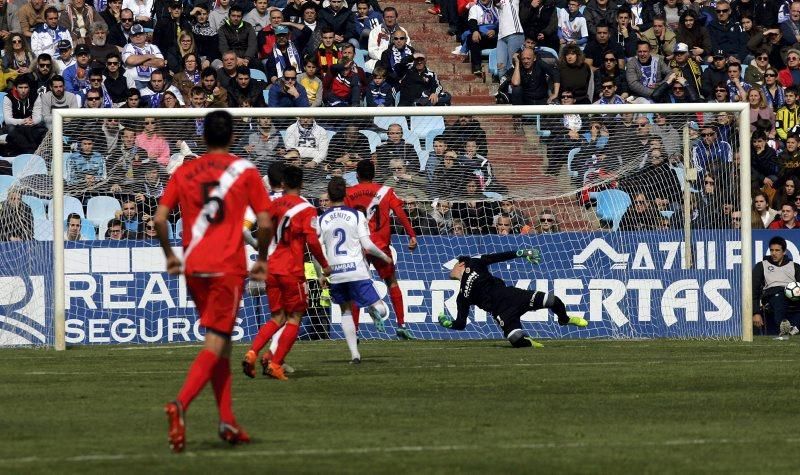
{"x":608,"y":274}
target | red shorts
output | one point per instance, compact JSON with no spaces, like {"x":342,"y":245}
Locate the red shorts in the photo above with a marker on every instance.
{"x":287,"y":293}
{"x":384,"y":270}
{"x":217,"y":300}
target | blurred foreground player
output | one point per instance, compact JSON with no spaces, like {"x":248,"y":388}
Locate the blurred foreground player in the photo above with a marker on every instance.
{"x":295,"y":223}
{"x":344,"y":234}
{"x":376,"y":201}
{"x":213,"y":192}
{"x":506,"y":304}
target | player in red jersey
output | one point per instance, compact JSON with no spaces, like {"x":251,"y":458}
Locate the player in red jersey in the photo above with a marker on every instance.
{"x":375,"y":201}
{"x":213,"y":192}
{"x":295,"y":223}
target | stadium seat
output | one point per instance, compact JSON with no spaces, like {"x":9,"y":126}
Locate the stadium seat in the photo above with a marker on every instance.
{"x":411,"y":138}
{"x":88,"y":231}
{"x":360,"y":58}
{"x":42,"y":229}
{"x":385,"y":121}
{"x":539,"y":131}
{"x":744,"y":70}
{"x":5,"y":183}
{"x":374,"y":139}
{"x":71,"y":205}
{"x":611,"y":205}
{"x":37,"y":206}
{"x":256,"y":74}
{"x":266,"y":95}
{"x":100,"y":209}
{"x":493,"y":62}
{"x":27,"y":165}
{"x":432,"y":134}
{"x":667,"y":213}
{"x":330,"y":133}
{"x":179,"y":228}
{"x":422,"y":125}
{"x":547,"y":51}
{"x":423,"y":159}
{"x":570,"y":157}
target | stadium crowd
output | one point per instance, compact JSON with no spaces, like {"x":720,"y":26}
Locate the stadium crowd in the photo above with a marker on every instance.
{"x":274,"y":53}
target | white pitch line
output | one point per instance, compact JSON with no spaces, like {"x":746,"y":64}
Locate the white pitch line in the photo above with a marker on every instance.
{"x":229,"y":454}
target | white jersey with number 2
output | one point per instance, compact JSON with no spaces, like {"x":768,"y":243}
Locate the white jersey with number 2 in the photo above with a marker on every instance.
{"x":340,"y":231}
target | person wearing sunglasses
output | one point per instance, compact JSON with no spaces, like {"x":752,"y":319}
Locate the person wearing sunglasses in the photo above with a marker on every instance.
{"x":727,"y":34}
{"x":710,"y":152}
{"x":640,"y":216}
{"x":398,"y":58}
{"x":758,"y":68}
{"x":601,"y":46}
{"x":689,"y":69}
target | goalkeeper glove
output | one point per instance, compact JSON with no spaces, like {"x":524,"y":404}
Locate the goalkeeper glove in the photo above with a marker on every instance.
{"x":445,"y":320}
{"x":534,"y":256}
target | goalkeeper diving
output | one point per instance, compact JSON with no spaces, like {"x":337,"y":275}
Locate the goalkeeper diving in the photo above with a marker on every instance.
{"x":506,"y":304}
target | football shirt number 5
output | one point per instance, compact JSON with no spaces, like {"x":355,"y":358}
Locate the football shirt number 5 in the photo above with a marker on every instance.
{"x":213,"y":206}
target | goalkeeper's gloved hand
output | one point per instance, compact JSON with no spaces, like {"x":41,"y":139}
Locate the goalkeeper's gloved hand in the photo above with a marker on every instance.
{"x":445,"y":320}
{"x":534,"y":256}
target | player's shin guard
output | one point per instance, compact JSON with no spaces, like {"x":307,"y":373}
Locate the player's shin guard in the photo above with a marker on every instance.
{"x":221,"y":382}
{"x":266,"y":332}
{"x":285,"y":342}
{"x":349,"y":330}
{"x":548,"y":300}
{"x":199,"y":373}
{"x":396,"y":296}
{"x":273,"y":345}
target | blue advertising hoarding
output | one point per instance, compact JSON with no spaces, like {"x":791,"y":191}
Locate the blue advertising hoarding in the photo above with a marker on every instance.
{"x":626,"y":284}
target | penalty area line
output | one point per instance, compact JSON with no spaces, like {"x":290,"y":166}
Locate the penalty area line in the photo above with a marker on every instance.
{"x":229,"y":454}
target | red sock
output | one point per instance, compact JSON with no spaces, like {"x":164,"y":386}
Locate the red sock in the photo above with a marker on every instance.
{"x":199,"y":374}
{"x":396,"y":296}
{"x":288,"y":337}
{"x":264,"y":334}
{"x":354,"y":309}
{"x":221,"y":382}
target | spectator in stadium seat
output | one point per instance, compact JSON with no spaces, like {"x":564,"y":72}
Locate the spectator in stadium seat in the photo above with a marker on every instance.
{"x":481,"y":168}
{"x":640,"y":216}
{"x":715,"y":73}
{"x":153,"y":94}
{"x":73,"y":232}
{"x":458,"y":228}
{"x":786,"y":193}
{"x":17,"y":56}
{"x":148,"y":191}
{"x":764,"y":163}
{"x":655,"y":177}
{"x":85,"y":168}
{"x":42,"y":73}
{"x":293,"y":12}
{"x":119,"y":32}
{"x":404,"y":181}
{"x":56,"y":98}
{"x":789,"y":159}
{"x":153,"y":143}
{"x":787,"y":219}
{"x":503,"y":225}
{"x":545,"y":223}
{"x":472,"y":207}
{"x":692,"y":33}
{"x":114,"y":81}
{"x":645,"y":72}
{"x":310,"y":139}
{"x":737,"y":89}
{"x":148,"y":231}
{"x":608,"y":92}
{"x":662,"y":40}
{"x":287,"y":92}
{"x":349,"y":147}
{"x":24,"y":133}
{"x":283,"y":53}
{"x":670,"y":136}
{"x":124,"y":160}
{"x":111,"y":16}
{"x":575,"y":74}
{"x":47,"y":35}
{"x":366,"y":19}
{"x":688,"y":67}
{"x":790,"y":27}
{"x":258,"y":17}
{"x":421,"y":87}
{"x":609,"y":69}
{"x":760,"y":110}
{"x":394,"y":147}
{"x":77,"y":17}
{"x":216,"y":95}
{"x":16,"y":218}
{"x":418,"y":213}
{"x":311,"y":82}
{"x":167,"y":32}
{"x":572,"y":28}
{"x":140,"y":57}
{"x":246,"y":89}
{"x":64,"y":58}
{"x":205,"y":37}
{"x":623,"y":31}
{"x":449,"y":176}
{"x":599,"y":12}
{"x":31,"y":15}
{"x":188,"y":76}
{"x":727,"y":34}
{"x":711,"y":153}
{"x":227,"y":73}
{"x":675,"y":90}
{"x":262,"y":144}
{"x":601,"y":45}
{"x":381,"y":38}
{"x":340,"y":20}
{"x":219,"y":14}
{"x":238,"y":36}
{"x":398,"y":58}
{"x":481,"y":32}
{"x":510,"y":209}
{"x":435,"y":157}
{"x":326,"y":52}
{"x":129,"y":216}
{"x":762,"y":213}
{"x":442,"y":215}
{"x":132,"y":99}
{"x":99,"y":47}
{"x":342,"y":85}
{"x":532,"y":78}
{"x":115,"y":230}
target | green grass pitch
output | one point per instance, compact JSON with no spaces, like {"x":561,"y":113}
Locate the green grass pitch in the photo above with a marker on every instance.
{"x":416,"y":407}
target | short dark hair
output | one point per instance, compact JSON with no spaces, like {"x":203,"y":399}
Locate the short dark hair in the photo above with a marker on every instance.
{"x":132,"y":92}
{"x":337,"y":189}
{"x":243,"y":70}
{"x":275,"y":174}
{"x":56,"y":78}
{"x":44,"y":57}
{"x":235,"y":8}
{"x":115,"y":222}
{"x":365,"y":170}
{"x":292,"y":177}
{"x":209,"y":71}
{"x":218,"y":129}
{"x":72,"y":216}
{"x":777,"y":240}
{"x":289,"y":68}
{"x":23,"y":79}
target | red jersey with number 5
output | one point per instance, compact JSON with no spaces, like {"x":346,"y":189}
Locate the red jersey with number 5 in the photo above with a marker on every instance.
{"x":295,"y":223}
{"x":375,"y":201}
{"x":213,"y":193}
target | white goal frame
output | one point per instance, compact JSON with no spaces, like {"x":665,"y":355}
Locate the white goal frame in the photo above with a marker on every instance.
{"x":743,"y":138}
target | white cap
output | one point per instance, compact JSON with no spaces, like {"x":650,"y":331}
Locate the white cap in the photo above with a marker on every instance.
{"x":681,"y":48}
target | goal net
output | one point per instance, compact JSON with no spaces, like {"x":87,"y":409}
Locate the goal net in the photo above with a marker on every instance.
{"x":636,"y":209}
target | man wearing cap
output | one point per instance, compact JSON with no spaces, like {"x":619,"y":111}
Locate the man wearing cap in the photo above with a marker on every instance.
{"x":238,"y":35}
{"x":714,"y":74}
{"x":421,"y":87}
{"x":141,"y":58}
{"x":76,"y":77}
{"x":683,"y":61}
{"x":265,"y":39}
{"x":64,"y":58}
{"x":167,"y":31}
{"x":284,"y":53}
{"x":727,"y":34}
{"x":47,"y":35}
{"x":78,"y":17}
